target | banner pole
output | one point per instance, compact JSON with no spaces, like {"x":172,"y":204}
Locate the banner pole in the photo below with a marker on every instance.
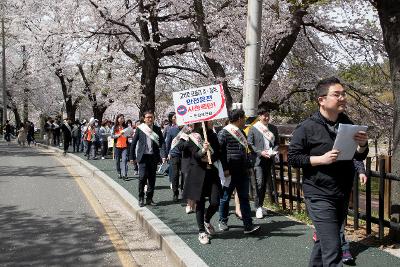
{"x":206,"y":140}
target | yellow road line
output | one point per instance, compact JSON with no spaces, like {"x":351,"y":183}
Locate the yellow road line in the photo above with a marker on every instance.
{"x":120,"y":246}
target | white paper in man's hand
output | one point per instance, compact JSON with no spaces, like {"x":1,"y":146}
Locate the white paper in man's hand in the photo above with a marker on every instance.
{"x":345,"y":142}
{"x":127,"y":132}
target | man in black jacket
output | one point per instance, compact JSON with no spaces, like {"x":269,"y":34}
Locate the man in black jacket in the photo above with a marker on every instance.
{"x":326,"y":182}
{"x":235,"y":162}
{"x":150,"y":150}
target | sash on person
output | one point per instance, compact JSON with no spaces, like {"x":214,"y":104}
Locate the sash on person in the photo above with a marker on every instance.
{"x":237,"y":134}
{"x":263,"y":129}
{"x":180,"y":135}
{"x":149,"y":133}
{"x":198,"y":141}
{"x":68,"y":127}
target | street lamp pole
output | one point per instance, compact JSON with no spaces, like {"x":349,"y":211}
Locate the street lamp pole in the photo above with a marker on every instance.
{"x":252,"y":58}
{"x":4,"y":72}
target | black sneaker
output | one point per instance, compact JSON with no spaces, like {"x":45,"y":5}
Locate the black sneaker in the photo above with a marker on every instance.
{"x":175,"y":198}
{"x":252,"y":229}
{"x":141,"y":202}
{"x":347,"y":258}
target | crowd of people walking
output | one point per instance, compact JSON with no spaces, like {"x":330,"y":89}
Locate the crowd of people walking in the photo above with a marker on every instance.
{"x":210,"y":165}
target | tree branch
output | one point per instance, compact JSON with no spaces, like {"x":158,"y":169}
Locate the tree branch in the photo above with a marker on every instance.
{"x":183,"y":68}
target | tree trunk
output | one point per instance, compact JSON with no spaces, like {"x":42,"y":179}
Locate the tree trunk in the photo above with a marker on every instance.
{"x":279,"y":51}
{"x":205,"y":45}
{"x":148,"y":81}
{"x":98,"y":111}
{"x":389,"y":15}
{"x":70,"y":108}
{"x":17,"y":117}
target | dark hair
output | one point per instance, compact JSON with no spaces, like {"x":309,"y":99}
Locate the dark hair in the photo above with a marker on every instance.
{"x":323,"y":85}
{"x":170,"y":115}
{"x":129,"y":121}
{"x":236,"y":114}
{"x":116,"y":121}
{"x":147,"y":112}
{"x":104,"y":123}
{"x":7,"y":121}
{"x":262,"y":110}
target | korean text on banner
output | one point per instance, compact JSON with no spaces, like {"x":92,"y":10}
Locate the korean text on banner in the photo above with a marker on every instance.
{"x":200,"y":104}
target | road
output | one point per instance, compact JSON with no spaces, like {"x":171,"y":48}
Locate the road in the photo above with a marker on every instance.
{"x":45,"y":219}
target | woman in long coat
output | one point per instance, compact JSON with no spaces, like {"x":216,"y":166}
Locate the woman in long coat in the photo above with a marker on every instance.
{"x":202,"y":178}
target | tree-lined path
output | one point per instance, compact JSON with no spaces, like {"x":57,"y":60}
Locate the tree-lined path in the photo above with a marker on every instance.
{"x":46,"y":220}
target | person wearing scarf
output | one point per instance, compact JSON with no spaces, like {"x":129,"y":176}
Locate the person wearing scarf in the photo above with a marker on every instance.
{"x":66,"y":129}
{"x":263,"y":140}
{"x":203,"y":179}
{"x":235,"y":163}
{"x":150,"y":145}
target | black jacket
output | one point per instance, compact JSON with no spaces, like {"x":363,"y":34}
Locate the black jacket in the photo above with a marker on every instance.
{"x":314,"y":137}
{"x":197,"y":173}
{"x":233,"y":154}
{"x":141,"y":137}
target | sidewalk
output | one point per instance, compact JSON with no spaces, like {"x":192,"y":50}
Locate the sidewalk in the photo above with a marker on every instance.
{"x":281,"y":242}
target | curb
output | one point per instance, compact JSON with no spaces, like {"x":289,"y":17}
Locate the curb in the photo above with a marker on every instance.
{"x":176,"y":250}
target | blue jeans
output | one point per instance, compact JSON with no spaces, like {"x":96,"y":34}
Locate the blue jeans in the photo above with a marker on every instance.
{"x":121,"y":153}
{"x":240,"y":182}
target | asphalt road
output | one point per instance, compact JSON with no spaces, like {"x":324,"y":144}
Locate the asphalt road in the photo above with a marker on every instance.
{"x":45,"y":219}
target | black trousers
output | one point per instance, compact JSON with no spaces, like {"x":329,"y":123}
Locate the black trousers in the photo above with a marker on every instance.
{"x":174,"y":174}
{"x":147,"y":175}
{"x":212,"y":191}
{"x":327,"y":216}
{"x":66,"y":144}
{"x":263,"y":183}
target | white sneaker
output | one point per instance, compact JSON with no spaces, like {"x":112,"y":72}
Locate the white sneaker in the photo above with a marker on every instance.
{"x":264,"y":211}
{"x":188,"y":209}
{"x":103,"y":158}
{"x":170,"y":185}
{"x":145,"y":188}
{"x":259,"y":213}
{"x":203,"y":238}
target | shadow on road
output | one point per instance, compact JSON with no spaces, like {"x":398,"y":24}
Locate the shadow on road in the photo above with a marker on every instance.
{"x":29,"y":239}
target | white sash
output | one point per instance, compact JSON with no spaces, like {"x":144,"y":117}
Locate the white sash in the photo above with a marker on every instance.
{"x":198,"y":141}
{"x":237,"y":134}
{"x":68,"y":127}
{"x":265,"y":132}
{"x":177,"y":138}
{"x":149,"y":133}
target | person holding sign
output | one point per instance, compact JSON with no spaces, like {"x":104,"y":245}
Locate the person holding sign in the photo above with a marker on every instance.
{"x":235,"y":162}
{"x":120,"y":146}
{"x":202,"y":177}
{"x":263,"y":139}
{"x":327,"y":181}
{"x":150,"y":145}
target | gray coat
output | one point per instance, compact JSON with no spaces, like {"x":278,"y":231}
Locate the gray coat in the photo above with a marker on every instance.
{"x":256,"y":142}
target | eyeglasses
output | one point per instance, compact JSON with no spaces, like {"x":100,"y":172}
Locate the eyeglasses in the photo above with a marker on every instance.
{"x":338,"y":95}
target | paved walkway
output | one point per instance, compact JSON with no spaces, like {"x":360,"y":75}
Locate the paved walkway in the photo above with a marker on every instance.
{"x":281,"y":242}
